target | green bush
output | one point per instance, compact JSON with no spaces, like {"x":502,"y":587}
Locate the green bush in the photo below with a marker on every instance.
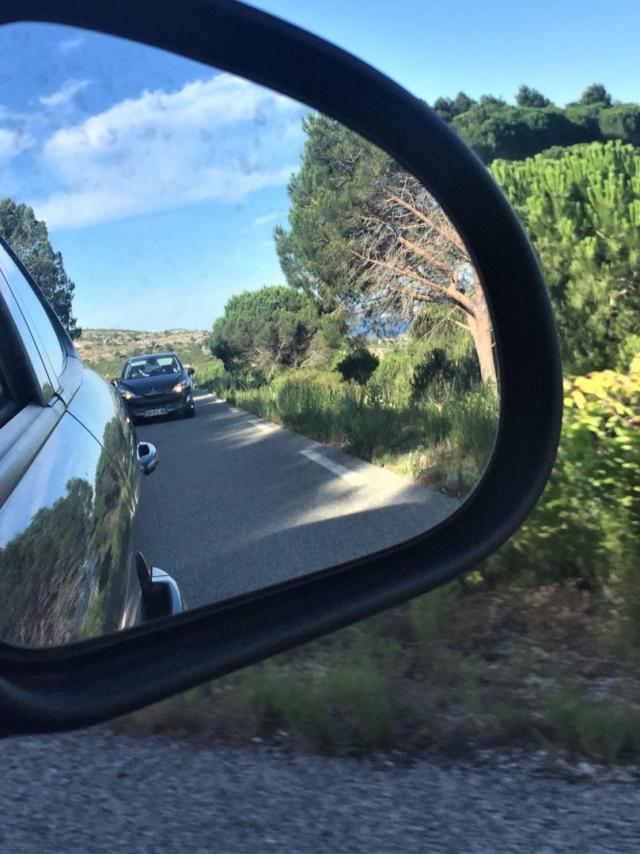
{"x":586,"y":527}
{"x":358,"y":365}
{"x":343,"y":699}
{"x":391,"y":382}
{"x":458,"y":453}
{"x":604,"y":729}
{"x":214,"y":377}
{"x":429,"y":615}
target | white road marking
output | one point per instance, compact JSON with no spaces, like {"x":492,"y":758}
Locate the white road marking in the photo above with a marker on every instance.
{"x":235,"y":410}
{"x":331,"y":465}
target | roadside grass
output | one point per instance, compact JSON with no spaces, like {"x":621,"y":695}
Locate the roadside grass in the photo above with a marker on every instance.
{"x":604,"y":729}
{"x":423,"y":676}
{"x":446,"y":444}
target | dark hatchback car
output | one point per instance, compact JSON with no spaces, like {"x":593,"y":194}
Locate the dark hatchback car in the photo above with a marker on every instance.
{"x":156,"y":385}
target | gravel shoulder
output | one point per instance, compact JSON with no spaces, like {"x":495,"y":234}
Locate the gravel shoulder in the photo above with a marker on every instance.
{"x":98,"y":791}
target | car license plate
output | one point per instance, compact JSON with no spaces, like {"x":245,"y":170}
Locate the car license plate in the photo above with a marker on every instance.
{"x":150,"y":413}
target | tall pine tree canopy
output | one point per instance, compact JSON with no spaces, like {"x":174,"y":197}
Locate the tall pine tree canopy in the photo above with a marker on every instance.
{"x":29,"y":239}
{"x":495,"y":129}
{"x":581,"y":209}
{"x":364,"y":234}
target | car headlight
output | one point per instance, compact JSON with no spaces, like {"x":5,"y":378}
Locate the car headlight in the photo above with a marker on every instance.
{"x":180,"y":387}
{"x":128,"y":395}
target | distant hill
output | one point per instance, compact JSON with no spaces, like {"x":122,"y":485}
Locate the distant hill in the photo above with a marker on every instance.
{"x":105,"y":350}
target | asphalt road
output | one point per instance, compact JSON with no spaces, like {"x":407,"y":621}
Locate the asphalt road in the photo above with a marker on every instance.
{"x":237,"y":503}
{"x":93,"y":791}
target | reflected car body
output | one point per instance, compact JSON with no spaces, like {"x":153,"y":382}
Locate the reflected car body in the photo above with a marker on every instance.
{"x":156,"y":385}
{"x":70,"y":530}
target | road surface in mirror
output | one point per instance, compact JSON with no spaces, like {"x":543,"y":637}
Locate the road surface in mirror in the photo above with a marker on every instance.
{"x":239,"y":503}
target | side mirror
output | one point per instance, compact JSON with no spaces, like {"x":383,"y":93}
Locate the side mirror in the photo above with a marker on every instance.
{"x":114,"y":383}
{"x":191,"y":371}
{"x":147,"y":456}
{"x":46,"y":690}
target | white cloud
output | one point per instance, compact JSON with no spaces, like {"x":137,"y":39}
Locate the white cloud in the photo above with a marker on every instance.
{"x":218,"y":139}
{"x":64,"y":94}
{"x":12,"y":144}
{"x":266,"y":219}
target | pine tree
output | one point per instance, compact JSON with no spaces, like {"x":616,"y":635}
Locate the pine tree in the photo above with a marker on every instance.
{"x":581,"y":208}
{"x":29,"y":239}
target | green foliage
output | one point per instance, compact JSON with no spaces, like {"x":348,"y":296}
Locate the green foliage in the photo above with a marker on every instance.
{"x":604,"y":729}
{"x":455,"y":462}
{"x":581,"y":208}
{"x":528,"y":97}
{"x":357,"y":219}
{"x":343,"y":700}
{"x":336,"y":177}
{"x":495,"y":129}
{"x":451,"y":441}
{"x":215,"y":377}
{"x":106,"y":350}
{"x":437,"y":364}
{"x":45,"y":599}
{"x":29,"y":239}
{"x":512,"y":133}
{"x":261,"y":328}
{"x":429,"y":615}
{"x":391,"y":384}
{"x":622,"y":122}
{"x":448,"y":109}
{"x":330,"y":342}
{"x":358,"y":365}
{"x":587,"y":118}
{"x":587,"y":525}
{"x":596,"y":94}
{"x":443,"y":367}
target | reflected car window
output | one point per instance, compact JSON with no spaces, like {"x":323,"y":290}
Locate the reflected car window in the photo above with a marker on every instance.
{"x":5,"y":402}
{"x":43,"y":331}
{"x":42,"y":373}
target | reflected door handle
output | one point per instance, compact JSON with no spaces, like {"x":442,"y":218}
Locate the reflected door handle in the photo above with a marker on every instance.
{"x":147,"y":455}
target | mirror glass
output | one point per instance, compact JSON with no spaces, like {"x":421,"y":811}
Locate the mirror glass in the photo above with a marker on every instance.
{"x":283,"y":316}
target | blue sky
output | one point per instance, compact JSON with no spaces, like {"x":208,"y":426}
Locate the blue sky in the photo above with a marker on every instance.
{"x":161,"y":180}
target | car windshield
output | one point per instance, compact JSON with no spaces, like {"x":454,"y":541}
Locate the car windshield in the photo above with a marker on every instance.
{"x":151,"y":366}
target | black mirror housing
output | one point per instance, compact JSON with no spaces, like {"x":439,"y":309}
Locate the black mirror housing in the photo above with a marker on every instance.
{"x":83,"y":683}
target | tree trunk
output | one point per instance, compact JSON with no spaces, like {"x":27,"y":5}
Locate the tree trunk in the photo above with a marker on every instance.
{"x":481,"y":330}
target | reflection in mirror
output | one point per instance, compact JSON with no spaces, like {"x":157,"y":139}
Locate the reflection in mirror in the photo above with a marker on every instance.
{"x":292,"y":322}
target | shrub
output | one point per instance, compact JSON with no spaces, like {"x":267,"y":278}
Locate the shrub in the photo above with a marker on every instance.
{"x":429,"y":615}
{"x":358,"y":365}
{"x":587,"y":524}
{"x":390,"y":384}
{"x":460,"y":444}
{"x":214,"y":377}
{"x":604,"y":729}
{"x":342,"y":699}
